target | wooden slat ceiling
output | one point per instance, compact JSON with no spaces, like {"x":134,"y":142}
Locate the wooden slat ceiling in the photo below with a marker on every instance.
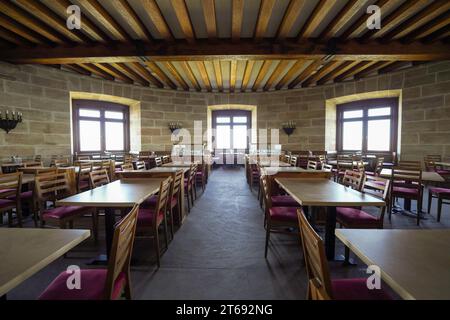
{"x":225,"y":45}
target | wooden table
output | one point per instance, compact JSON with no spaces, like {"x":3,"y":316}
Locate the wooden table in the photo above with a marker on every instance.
{"x":414,"y":263}
{"x":334,"y":163}
{"x":443,"y":164}
{"x":426,"y":176}
{"x":329,"y":194}
{"x":179,"y":164}
{"x":24,"y":252}
{"x":123,"y":193}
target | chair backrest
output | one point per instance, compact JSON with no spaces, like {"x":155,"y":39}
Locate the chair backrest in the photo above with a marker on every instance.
{"x":353,"y":179}
{"x":407,"y":177}
{"x":312,"y":165}
{"x":327,"y":167}
{"x":176,"y":185}
{"x":98,"y":178}
{"x":430,"y":162}
{"x":10,"y":185}
{"x":84,"y":158}
{"x":344,"y":162}
{"x":84,"y":168}
{"x":59,"y":163}
{"x":140,"y":165}
{"x":380,"y":188}
{"x":293,"y":161}
{"x":158,"y":161}
{"x":43,"y":171}
{"x":127,"y":166}
{"x":163,"y":196}
{"x":38,"y":158}
{"x":192,"y":172}
{"x":360,"y":166}
{"x":315,"y":259}
{"x":266,"y":193}
{"x":413,"y":165}
{"x":128,"y":158}
{"x":379,"y":166}
{"x":121,"y":250}
{"x":29,"y":164}
{"x":52,"y":186}
{"x":165,"y":159}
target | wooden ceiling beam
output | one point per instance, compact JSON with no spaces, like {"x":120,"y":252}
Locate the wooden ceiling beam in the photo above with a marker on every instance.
{"x":345,"y":14}
{"x":103,"y":17}
{"x":133,"y":20}
{"x":89,"y":27}
{"x":188,"y":71}
{"x":155,"y":69}
{"x":375,"y":67}
{"x":130,"y":73}
{"x":153,"y":11}
{"x":290,"y":16}
{"x":355,"y":70}
{"x":139,"y":68}
{"x":290,"y":74}
{"x":14,"y":38}
{"x":437,"y":35}
{"x":182,"y":13}
{"x":322,"y":9}
{"x":247,"y":74}
{"x":262,"y":74}
{"x":393,"y":66}
{"x":218,"y":73}
{"x":312,"y":67}
{"x":325,"y":69}
{"x":114,"y":72}
{"x":224,"y":50}
{"x":42,"y":12}
{"x":233,"y":72}
{"x":173,"y":71}
{"x":336,"y":72}
{"x":97,"y":71}
{"x":22,"y":30}
{"x":22,"y":16}
{"x":265,"y":12}
{"x":78,"y":69}
{"x":434,"y":25}
{"x":404,"y":11}
{"x":425,"y":15}
{"x":209,"y":13}
{"x":204,"y":74}
{"x":280,"y":69}
{"x":360,"y":25}
{"x":236,"y":19}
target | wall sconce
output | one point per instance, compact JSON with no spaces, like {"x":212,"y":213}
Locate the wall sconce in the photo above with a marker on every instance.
{"x":175,"y":126}
{"x":9,"y":122}
{"x":289,"y":127}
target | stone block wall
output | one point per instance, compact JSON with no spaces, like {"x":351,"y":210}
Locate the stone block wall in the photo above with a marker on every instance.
{"x":42,"y":94}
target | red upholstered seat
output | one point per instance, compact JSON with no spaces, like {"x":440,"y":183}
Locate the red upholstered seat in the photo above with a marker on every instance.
{"x":199,"y":173}
{"x":440,"y":191}
{"x":151,"y":202}
{"x":405,"y":192}
{"x":369,"y":173}
{"x":92,"y":286}
{"x":284,"y":201}
{"x":443,"y":172}
{"x":6,"y":191}
{"x":356,"y":289}
{"x":84,"y":184}
{"x":354,"y":216}
{"x":27,"y":195}
{"x":6,"y":203}
{"x":146,"y":216}
{"x":284,"y":214}
{"x":63,"y":212}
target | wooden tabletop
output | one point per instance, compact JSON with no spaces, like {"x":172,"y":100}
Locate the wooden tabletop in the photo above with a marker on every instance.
{"x":414,"y":263}
{"x":270,"y":170}
{"x":325,"y":193}
{"x":444,"y":164}
{"x":179,"y":164}
{"x":274,"y":164}
{"x":168,"y":169}
{"x":426,"y":175}
{"x":123,"y":193}
{"x":334,"y":162}
{"x":24,"y":252}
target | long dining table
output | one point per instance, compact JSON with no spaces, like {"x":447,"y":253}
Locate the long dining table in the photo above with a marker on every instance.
{"x":317,"y":192}
{"x":414,"y":263}
{"x":120,"y":194}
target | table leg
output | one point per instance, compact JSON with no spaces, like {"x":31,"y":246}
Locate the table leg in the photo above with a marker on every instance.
{"x":110,"y":221}
{"x":329,"y":233}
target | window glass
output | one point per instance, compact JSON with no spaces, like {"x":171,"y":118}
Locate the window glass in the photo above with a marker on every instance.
{"x":240,"y":119}
{"x":90,"y":136}
{"x":223,"y":119}
{"x":240,"y":137}
{"x":379,"y":135}
{"x":114,"y":138}
{"x":352,"y":135}
{"x":89,"y":113}
{"x":223,"y":138}
{"x":379,"y":112}
{"x":113,"y":115}
{"x":353,"y":114}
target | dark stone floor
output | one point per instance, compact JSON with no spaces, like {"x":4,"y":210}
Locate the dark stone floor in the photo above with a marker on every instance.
{"x":218,"y":253}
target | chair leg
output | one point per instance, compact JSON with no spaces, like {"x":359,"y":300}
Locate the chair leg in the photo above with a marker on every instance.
{"x":127,"y":289}
{"x":19,"y":216}
{"x":171,"y":221}
{"x":166,"y":237}
{"x":188,"y":203}
{"x":267,"y":240}
{"x":430,"y":199}
{"x":156,"y":247}
{"x":439,"y":209}
{"x":95,"y":225}
{"x":347,"y":254}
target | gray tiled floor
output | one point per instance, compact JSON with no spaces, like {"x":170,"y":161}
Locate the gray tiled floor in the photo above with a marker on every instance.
{"x":218,"y":253}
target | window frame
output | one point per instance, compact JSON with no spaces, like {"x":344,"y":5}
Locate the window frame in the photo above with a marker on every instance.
{"x":232,"y":113}
{"x":103,"y":107}
{"x":365,"y":105}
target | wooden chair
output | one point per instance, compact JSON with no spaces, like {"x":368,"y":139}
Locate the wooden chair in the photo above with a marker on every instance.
{"x":412,"y":165}
{"x":189,"y":185}
{"x":127,"y":167}
{"x":406,"y":183}
{"x":59,"y":163}
{"x":431,"y":166}
{"x":378,"y":167}
{"x":312,"y":165}
{"x":38,"y":158}
{"x":102,"y":284}
{"x":29,"y":164}
{"x":149,"y":220}
{"x":320,"y":285}
{"x":293,"y":161}
{"x":344,"y":163}
{"x":140,"y":165}
{"x":84,"y":169}
{"x":98,"y":178}
{"x":201,"y":175}
{"x":83,"y":158}
{"x":359,"y":166}
{"x":327,"y":167}
{"x":277,"y":219}
{"x":356,"y":218}
{"x":443,"y":196}
{"x":10,"y":191}
{"x":51,"y":187}
{"x":174,"y":200}
{"x":158,"y":162}
{"x":353,"y":179}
